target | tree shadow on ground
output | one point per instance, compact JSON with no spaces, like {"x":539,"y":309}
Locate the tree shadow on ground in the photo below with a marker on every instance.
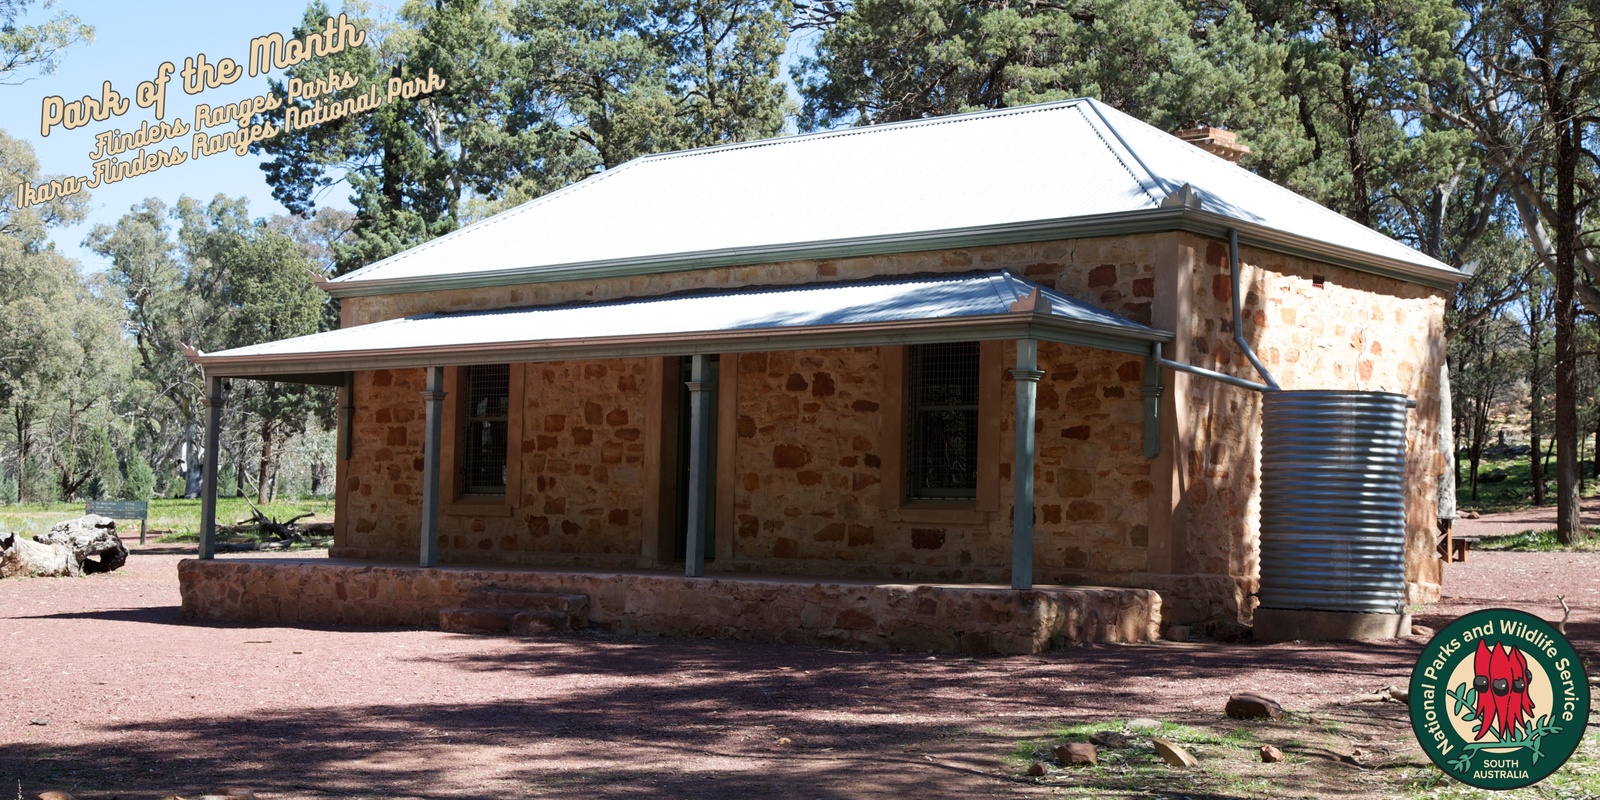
{"x":605,"y":716}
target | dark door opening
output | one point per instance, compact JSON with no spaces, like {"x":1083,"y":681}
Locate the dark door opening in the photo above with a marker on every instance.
{"x":681,"y":535}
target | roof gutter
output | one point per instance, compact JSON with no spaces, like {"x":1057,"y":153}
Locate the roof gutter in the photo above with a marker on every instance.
{"x":1122,"y":223}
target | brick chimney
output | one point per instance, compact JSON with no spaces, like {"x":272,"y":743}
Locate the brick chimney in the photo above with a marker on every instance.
{"x":1216,"y":141}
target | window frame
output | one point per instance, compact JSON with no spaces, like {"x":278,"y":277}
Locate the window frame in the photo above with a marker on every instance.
{"x":457,"y":501}
{"x":922,"y":363}
{"x":896,"y":416}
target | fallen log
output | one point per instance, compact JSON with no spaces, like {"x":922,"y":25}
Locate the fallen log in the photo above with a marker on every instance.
{"x":282,"y":531}
{"x":86,"y":545}
{"x":21,"y":557}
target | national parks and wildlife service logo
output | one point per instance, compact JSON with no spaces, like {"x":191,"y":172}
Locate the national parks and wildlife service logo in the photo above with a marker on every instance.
{"x":1499,"y":699}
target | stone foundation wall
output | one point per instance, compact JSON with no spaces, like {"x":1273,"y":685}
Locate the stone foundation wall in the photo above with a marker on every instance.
{"x":938,"y":618}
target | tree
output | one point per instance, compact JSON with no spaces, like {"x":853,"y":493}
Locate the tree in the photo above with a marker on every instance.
{"x":1528,"y":92}
{"x":27,"y":46}
{"x":409,"y":163}
{"x":271,"y":297}
{"x":81,"y":414}
{"x":536,"y":96}
{"x":169,"y":292}
{"x":38,"y":289}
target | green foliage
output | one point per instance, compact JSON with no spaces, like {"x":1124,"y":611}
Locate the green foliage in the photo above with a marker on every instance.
{"x":140,"y":483}
{"x":39,"y":45}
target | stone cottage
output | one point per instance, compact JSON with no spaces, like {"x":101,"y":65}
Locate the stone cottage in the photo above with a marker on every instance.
{"x":808,"y":357}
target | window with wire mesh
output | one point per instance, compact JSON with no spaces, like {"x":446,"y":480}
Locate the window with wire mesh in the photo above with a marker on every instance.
{"x":943,"y":455}
{"x":488,"y":398}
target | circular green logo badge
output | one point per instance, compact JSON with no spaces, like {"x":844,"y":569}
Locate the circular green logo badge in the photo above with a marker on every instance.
{"x":1499,"y":699}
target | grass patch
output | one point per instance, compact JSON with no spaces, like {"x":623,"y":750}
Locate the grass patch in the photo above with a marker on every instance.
{"x":1515,"y":490}
{"x":1139,"y":771}
{"x":1535,"y":542}
{"x":181,"y":517}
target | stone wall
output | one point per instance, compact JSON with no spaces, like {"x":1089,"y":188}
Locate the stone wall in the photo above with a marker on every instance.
{"x":939,"y":618}
{"x":811,"y":459}
{"x":578,"y":487}
{"x":382,"y":478}
{"x":1315,"y":326}
{"x":811,"y":464}
{"x":1111,"y":272}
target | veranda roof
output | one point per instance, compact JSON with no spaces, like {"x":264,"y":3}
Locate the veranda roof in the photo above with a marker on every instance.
{"x":1062,"y":170}
{"x":964,"y":307}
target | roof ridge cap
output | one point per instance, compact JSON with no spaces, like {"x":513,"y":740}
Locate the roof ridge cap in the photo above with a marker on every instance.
{"x":1101,"y":125}
{"x":877,"y":127}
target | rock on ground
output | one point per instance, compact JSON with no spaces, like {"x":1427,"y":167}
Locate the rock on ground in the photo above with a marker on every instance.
{"x":1173,"y":753}
{"x":1111,"y":740}
{"x":92,"y":540}
{"x":1077,"y":754}
{"x":1253,"y":706}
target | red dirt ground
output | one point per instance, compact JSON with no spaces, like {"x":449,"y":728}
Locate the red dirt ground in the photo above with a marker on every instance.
{"x":140,"y":703}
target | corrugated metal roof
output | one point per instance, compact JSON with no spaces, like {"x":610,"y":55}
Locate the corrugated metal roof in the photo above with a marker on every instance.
{"x":729,"y":315}
{"x":1059,"y":161}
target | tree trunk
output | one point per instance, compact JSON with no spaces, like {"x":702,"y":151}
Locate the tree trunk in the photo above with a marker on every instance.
{"x":23,"y":445}
{"x":1568,"y":151}
{"x":193,"y":462}
{"x":76,"y":547}
{"x":1536,"y":464}
{"x":264,"y":467}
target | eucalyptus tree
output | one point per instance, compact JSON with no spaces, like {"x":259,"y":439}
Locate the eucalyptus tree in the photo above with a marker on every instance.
{"x":24,"y":47}
{"x":1527,"y":89}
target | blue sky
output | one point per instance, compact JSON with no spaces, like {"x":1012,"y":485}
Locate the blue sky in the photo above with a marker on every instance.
{"x":131,"y":40}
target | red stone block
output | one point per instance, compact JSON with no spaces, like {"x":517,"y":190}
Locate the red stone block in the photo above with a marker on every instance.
{"x":821,"y":384}
{"x":788,"y":456}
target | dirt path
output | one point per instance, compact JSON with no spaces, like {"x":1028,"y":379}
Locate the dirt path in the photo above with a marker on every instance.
{"x":1506,"y":523}
{"x":142,"y":704}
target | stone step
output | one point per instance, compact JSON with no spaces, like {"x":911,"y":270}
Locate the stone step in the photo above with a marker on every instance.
{"x":575,"y":606}
{"x":476,"y":620}
{"x":504,"y":620}
{"x":528,"y":623}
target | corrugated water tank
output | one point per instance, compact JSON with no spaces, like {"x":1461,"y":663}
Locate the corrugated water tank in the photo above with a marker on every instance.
{"x":1333,"y":504}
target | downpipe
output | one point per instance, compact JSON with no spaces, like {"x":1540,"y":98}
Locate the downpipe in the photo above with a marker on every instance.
{"x":1238,"y":334}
